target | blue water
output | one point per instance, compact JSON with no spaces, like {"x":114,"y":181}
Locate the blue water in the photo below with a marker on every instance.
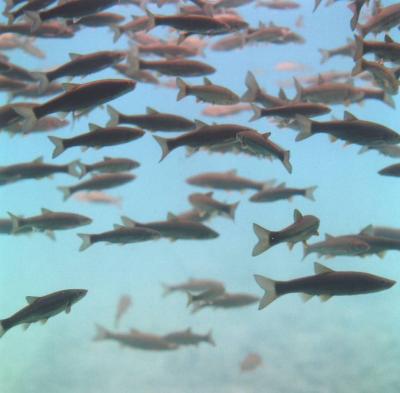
{"x":346,"y":344}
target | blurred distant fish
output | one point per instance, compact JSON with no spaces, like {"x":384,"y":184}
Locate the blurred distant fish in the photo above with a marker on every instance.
{"x":108,"y":165}
{"x":152,"y":120}
{"x":135,"y":25}
{"x":281,"y":192}
{"x":175,"y":229}
{"x":97,"y":137}
{"x":289,"y":66}
{"x":46,"y":30}
{"x":33,"y":91}
{"x":84,"y":97}
{"x":167,"y":50}
{"x":225,"y":110}
{"x":98,"y":197}
{"x":137,"y":75}
{"x":325,"y":283}
{"x":205,"y":296}
{"x":14,"y":71}
{"x":208,"y":92}
{"x":228,"y":300}
{"x":195,"y":285}
{"x":300,"y":231}
{"x":227,"y":181}
{"x":12,"y":41}
{"x":98,"y":182}
{"x":251,"y":362}
{"x":206,"y":203}
{"x":119,"y":235}
{"x":42,"y":308}
{"x":124,"y":303}
{"x":290,"y":110}
{"x":135,"y":339}
{"x":229,"y":42}
{"x":190,"y":215}
{"x":278,"y":4}
{"x":334,"y":246}
{"x":45,"y":124}
{"x":187,"y":337}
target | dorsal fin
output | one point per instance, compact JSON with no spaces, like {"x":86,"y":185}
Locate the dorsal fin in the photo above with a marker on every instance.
{"x":297,"y":215}
{"x":171,"y":216}
{"x":320,"y":79}
{"x":73,"y":56}
{"x":282,"y":95}
{"x":107,"y":158}
{"x":368,"y":230}
{"x":207,"y":81}
{"x":38,"y":160}
{"x":200,"y":123}
{"x":328,"y":236}
{"x":93,"y":127}
{"x":46,"y":211}
{"x":320,"y":269}
{"x":261,"y":25}
{"x":388,"y":39}
{"x":69,"y":86}
{"x":272,"y":24}
{"x":348,"y":116}
{"x":31,"y":299}
{"x":151,"y":111}
{"x":231,"y":172}
{"x":266,"y":135}
{"x":209,"y":194}
{"x":118,"y":226}
{"x":188,"y":330}
{"x":281,"y":185}
{"x":128,"y":222}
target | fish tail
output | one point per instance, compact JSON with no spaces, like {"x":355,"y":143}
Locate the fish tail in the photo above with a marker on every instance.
{"x":299,"y":90}
{"x":358,"y":68}
{"x":316,"y":5}
{"x":257,"y":112}
{"x":117,"y":30}
{"x":151,"y":23}
{"x":28,"y":115}
{"x":270,"y":291}
{"x":59,"y":145}
{"x":309,"y":194}
{"x":163,"y":142}
{"x":252,"y":88}
{"x":73,"y":168}
{"x":232,"y":210}
{"x":359,"y":47}
{"x":34,"y":18}
{"x":114,"y":116}
{"x":82,"y":168}
{"x":388,"y":100}
{"x":43,"y":80}
{"x":189,"y":299}
{"x":325,"y":55}
{"x":16,"y":223}
{"x":2,"y":328}
{"x":305,"y":127}
{"x":27,"y":46}
{"x":364,"y":149}
{"x":286,"y":161}
{"x":210,"y":338}
{"x":167,"y":290}
{"x":101,"y":333}
{"x":183,"y":89}
{"x":264,"y":240}
{"x":66,"y":192}
{"x":86,"y":241}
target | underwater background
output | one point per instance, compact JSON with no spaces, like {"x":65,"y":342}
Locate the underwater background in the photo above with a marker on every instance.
{"x":346,"y":344}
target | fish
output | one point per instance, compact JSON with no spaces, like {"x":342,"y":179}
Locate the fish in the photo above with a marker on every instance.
{"x":278,"y":4}
{"x":261,"y":145}
{"x":227,"y":181}
{"x":205,"y":296}
{"x":108,"y":165}
{"x":300,"y":231}
{"x":347,"y":50}
{"x":384,"y":20}
{"x":136,"y":75}
{"x":384,"y":77}
{"x":97,"y":137}
{"x":190,"y":215}
{"x":290,"y":110}
{"x":386,"y":51}
{"x":204,"y":135}
{"x":225,"y":110}
{"x":35,"y":169}
{"x":83,"y":97}
{"x":228,"y":300}
{"x":136,"y":24}
{"x":208,"y":92}
{"x":9,"y":85}
{"x":80,"y":65}
{"x":152,"y":120}
{"x":281,"y":192}
{"x":167,"y":50}
{"x":45,"y":124}
{"x":15,"y":72}
{"x":391,"y":170}
{"x":251,"y":362}
{"x":229,"y":42}
{"x":98,"y":182}
{"x":98,"y":197}
{"x":206,"y":203}
{"x":32,"y":91}
{"x":32,"y":5}
{"x":124,"y":303}
{"x":377,"y":94}
{"x":46,"y":30}
{"x":101,"y":19}
{"x":135,"y":339}
{"x":337,"y":246}
{"x":379,"y":231}
{"x":49,"y":221}
{"x":10,"y":41}
{"x":350,"y":129}
{"x":392,"y":151}
{"x":119,"y":235}
{"x":289,"y":66}
{"x":69,"y":10}
{"x":175,"y":229}
{"x":325,"y":283}
{"x":194,"y":285}
{"x":254,"y":93}
{"x":41,"y":308}
{"x":187,"y":337}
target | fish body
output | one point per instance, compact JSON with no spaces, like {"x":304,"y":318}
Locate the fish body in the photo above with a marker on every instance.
{"x":282,"y":192}
{"x":190,"y":215}
{"x":250,"y":362}
{"x":391,"y":170}
{"x":101,"y":19}
{"x":98,"y":197}
{"x":229,"y":300}
{"x":206,"y":203}
{"x":195,"y":285}
{"x":125,"y":302}
{"x":387,"y":50}
{"x":384,"y":20}
{"x":46,"y":30}
{"x":42,"y":308}
{"x":109,"y":165}
{"x":187,"y":337}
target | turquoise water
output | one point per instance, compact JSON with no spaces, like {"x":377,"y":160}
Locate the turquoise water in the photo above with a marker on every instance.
{"x":347,"y":343}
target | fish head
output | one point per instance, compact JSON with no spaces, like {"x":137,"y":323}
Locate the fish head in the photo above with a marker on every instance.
{"x":78,"y":294}
{"x":386,"y":283}
{"x":83,"y":220}
{"x":210,"y":234}
{"x":119,"y":56}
